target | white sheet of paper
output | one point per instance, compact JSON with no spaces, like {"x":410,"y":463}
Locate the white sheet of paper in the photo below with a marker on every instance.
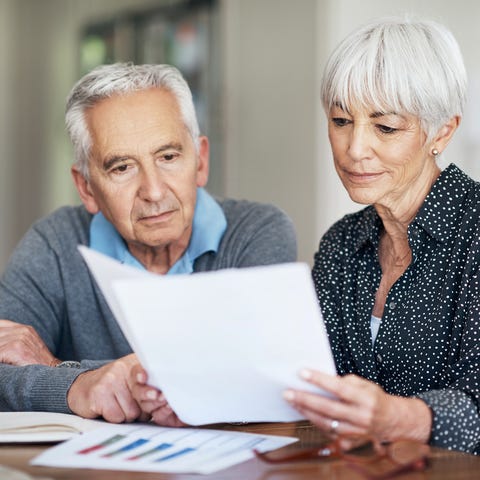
{"x":150,"y":448}
{"x":223,"y":345}
{"x":105,"y":271}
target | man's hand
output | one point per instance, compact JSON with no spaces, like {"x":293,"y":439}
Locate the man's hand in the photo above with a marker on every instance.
{"x":152,"y":401}
{"x":105,"y":392}
{"x":21,"y":345}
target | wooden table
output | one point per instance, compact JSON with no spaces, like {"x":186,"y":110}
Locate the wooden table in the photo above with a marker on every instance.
{"x":444,"y":464}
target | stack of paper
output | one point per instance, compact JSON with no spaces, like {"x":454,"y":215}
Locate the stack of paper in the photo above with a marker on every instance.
{"x":223,"y":345}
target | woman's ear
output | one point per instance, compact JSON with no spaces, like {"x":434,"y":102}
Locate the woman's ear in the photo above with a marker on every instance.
{"x":445,"y":134}
{"x":84,"y":190}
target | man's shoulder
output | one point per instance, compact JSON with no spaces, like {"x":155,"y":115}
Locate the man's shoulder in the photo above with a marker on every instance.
{"x":67,"y":224}
{"x":65,"y":216}
{"x":256,"y":234}
{"x":249,"y":211}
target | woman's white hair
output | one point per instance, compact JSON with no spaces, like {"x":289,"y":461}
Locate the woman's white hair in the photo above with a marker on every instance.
{"x":398,"y":65}
{"x":106,"y":81}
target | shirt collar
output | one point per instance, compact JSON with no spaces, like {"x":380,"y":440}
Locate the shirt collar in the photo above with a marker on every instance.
{"x":368,"y":228}
{"x":438,"y":215}
{"x":208,"y":228}
{"x":442,"y":209}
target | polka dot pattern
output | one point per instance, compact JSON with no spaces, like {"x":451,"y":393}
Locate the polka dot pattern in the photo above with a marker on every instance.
{"x":428,"y":344}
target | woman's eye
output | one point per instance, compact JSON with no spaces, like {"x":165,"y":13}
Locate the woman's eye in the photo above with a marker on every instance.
{"x":386,"y":129}
{"x":340,"y":122}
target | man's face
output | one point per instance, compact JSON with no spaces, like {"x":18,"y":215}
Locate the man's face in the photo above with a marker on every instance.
{"x":144,"y":169}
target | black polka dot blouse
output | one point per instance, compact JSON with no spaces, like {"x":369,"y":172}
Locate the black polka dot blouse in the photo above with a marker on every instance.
{"x":428,"y":344}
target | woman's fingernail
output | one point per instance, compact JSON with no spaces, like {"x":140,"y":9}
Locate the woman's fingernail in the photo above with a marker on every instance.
{"x":288,"y":395}
{"x":140,"y":378}
{"x":306,"y":374}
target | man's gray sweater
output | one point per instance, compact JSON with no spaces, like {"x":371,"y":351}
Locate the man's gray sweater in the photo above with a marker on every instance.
{"x":48,"y":286}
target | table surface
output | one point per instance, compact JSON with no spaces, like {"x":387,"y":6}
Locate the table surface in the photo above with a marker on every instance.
{"x":443,"y":464}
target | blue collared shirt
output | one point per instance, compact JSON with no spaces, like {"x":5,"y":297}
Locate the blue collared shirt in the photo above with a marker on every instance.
{"x":209,"y":225}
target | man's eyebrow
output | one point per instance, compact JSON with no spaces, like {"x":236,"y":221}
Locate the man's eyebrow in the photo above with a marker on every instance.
{"x":169,"y":146}
{"x":114,"y":159}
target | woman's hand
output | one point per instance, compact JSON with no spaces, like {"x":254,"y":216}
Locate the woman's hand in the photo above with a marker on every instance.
{"x":152,"y":401}
{"x":360,"y":407}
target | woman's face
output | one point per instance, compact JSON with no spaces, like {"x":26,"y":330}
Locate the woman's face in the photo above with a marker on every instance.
{"x":380,"y":157}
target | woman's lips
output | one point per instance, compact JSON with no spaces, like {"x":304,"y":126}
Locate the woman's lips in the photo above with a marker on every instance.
{"x":363,"y":177}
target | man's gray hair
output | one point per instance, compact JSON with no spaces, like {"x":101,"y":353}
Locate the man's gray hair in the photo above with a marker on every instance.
{"x":398,"y":65}
{"x":106,"y":81}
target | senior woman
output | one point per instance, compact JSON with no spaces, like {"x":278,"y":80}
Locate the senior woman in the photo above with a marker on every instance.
{"x":399,"y":281}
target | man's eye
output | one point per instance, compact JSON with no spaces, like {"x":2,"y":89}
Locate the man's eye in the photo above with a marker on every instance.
{"x":340,"y":122}
{"x":386,"y":129}
{"x":122,"y":169}
{"x":170,"y":156}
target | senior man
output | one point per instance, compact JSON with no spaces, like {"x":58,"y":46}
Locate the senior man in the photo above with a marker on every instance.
{"x":140,"y":168}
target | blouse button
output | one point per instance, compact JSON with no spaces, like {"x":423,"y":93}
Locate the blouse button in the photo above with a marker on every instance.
{"x":392,"y":305}
{"x":379,"y":358}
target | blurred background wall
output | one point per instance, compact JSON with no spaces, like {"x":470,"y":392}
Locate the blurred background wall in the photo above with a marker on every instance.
{"x":260,"y":104}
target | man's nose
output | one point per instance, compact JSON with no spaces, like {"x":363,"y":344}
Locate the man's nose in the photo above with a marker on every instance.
{"x":152,"y":186}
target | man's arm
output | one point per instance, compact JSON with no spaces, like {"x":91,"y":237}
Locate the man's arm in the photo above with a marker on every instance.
{"x":47,"y":296}
{"x":21,"y":345}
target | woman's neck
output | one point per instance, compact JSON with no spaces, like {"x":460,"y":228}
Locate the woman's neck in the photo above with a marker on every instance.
{"x":397,"y":212}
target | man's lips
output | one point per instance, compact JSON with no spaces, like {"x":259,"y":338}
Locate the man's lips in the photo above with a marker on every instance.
{"x":157,"y":217}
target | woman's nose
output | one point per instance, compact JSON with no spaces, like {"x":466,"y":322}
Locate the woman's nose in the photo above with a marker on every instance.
{"x":360,"y":146}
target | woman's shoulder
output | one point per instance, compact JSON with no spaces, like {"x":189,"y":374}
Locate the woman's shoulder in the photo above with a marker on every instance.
{"x":350,"y":227}
{"x":343,"y":237}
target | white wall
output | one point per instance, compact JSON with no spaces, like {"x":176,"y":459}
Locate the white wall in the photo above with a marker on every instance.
{"x":270,"y":107}
{"x":7,"y":207}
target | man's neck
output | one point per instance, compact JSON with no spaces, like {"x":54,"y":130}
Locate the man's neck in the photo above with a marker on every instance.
{"x":160,"y":259}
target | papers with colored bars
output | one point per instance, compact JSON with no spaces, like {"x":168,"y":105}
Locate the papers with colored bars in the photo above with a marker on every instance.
{"x":158,"y":449}
{"x":223,"y":345}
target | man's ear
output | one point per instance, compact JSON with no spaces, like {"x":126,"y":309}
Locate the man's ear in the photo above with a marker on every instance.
{"x":84,"y":190}
{"x":203,"y":161}
{"x":445,"y":134}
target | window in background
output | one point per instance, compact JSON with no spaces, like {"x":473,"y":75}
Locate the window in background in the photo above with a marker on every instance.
{"x":179,"y":34}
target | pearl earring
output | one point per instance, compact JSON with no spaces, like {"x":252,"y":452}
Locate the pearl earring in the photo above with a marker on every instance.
{"x":435,"y":152}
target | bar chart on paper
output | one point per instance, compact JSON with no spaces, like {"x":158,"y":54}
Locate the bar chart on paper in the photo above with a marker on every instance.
{"x":158,"y":449}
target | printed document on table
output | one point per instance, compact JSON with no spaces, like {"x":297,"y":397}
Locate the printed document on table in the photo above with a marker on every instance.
{"x":148,"y":448}
{"x":223,"y":345}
